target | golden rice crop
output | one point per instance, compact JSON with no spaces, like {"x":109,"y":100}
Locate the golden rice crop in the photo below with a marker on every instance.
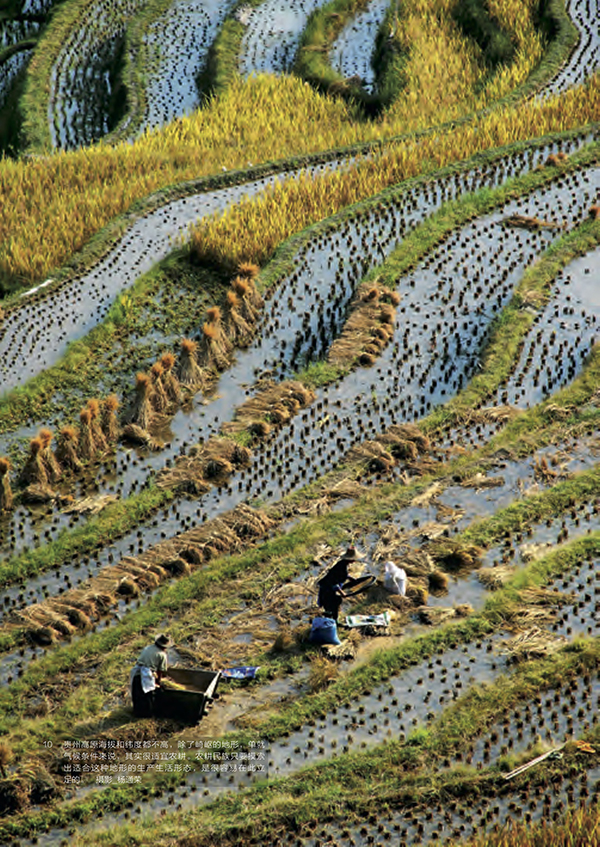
{"x":52,"y":205}
{"x":253,"y":228}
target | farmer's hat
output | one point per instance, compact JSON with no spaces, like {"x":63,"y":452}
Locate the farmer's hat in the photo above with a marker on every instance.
{"x":162,"y":640}
{"x":352,"y":554}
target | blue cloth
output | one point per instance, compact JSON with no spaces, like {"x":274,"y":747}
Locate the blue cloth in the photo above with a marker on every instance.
{"x":324,"y":631}
{"x":239,"y":673}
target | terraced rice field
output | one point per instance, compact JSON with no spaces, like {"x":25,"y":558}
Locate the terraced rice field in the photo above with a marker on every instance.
{"x":190,"y":437}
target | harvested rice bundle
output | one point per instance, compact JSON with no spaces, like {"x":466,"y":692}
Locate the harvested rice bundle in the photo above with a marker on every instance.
{"x":51,"y":465}
{"x":186,"y":478}
{"x":279,"y":414}
{"x":387,"y":314}
{"x":99,"y":439}
{"x":158,"y":571}
{"x":455,"y":556}
{"x":74,"y":615}
{"x":193,"y":553}
{"x":43,"y":636}
{"x":38,"y":493}
{"x":215,"y":347}
{"x":170,"y":381}
{"x":103,"y":601}
{"x":242,"y":456}
{"x":259,"y":429}
{"x":127,"y":588}
{"x":227,"y":448}
{"x":87,"y":444}
{"x":391,"y":297}
{"x":417,"y":564}
{"x":438,"y":582}
{"x":245,"y":291}
{"x":248,"y":270}
{"x":214,"y":315}
{"x":554,"y":159}
{"x":368,"y":328}
{"x":257,"y":300}
{"x":405,"y":441}
{"x":136,"y":435}
{"x":220,"y":536}
{"x":66,"y":449}
{"x":435,"y":615}
{"x":147,"y":581}
{"x":177,"y":567}
{"x":6,"y":496}
{"x":238,"y":329}
{"x":369,"y":295}
{"x":217,"y":467}
{"x":534,"y":643}
{"x":269,"y":403}
{"x":301,"y":393}
{"x":496,"y":577}
{"x":247,"y":522}
{"x":59,"y":624}
{"x":110,"y":423}
{"x":374,"y":454}
{"x":189,"y":371}
{"x":407,"y":432}
{"x":141,"y":412}
{"x":78,"y":600}
{"x":159,"y":398}
{"x":34,"y":472}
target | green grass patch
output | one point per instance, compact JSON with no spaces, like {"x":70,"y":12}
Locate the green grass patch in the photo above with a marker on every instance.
{"x":222,"y":63}
{"x":312,"y":62}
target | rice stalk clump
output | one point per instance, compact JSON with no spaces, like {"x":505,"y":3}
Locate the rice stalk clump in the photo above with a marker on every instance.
{"x":259,"y":429}
{"x":238,"y":330}
{"x":322,"y":673}
{"x":170,"y":381}
{"x":66,"y":449}
{"x":249,"y":270}
{"x":99,"y":439}
{"x":6,"y":496}
{"x":110,"y":423}
{"x":245,"y":290}
{"x":141,"y":411}
{"x":51,"y":464}
{"x":160,"y":401}
{"x":228,"y":449}
{"x":189,"y":371}
{"x":369,"y":327}
{"x":215,"y":346}
{"x":34,"y":472}
{"x":136,"y":435}
{"x":214,"y":315}
{"x":371,"y":295}
{"x":87,"y":443}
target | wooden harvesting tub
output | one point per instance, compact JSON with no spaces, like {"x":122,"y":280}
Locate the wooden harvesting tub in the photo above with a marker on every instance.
{"x":189,"y":703}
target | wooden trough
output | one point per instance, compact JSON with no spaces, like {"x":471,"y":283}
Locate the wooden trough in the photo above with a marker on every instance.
{"x":190,"y":700}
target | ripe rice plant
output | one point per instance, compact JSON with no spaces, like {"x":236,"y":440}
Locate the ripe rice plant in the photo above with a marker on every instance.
{"x":255,"y":228}
{"x":86,"y":189}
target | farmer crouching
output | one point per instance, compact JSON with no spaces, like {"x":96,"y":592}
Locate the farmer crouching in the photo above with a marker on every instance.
{"x":146,"y":675}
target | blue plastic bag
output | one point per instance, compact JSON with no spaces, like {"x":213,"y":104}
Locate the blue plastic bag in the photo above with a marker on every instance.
{"x":324,"y":631}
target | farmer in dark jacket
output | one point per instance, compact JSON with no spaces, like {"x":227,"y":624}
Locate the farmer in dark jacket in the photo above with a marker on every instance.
{"x":332,"y":585}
